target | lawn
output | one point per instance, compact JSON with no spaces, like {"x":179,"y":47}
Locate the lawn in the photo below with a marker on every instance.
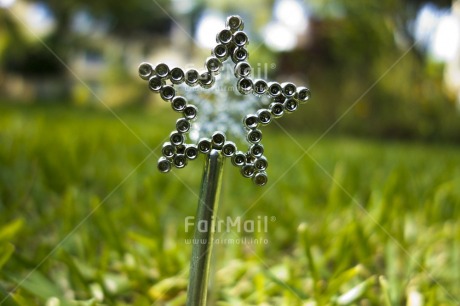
{"x":86,"y":219}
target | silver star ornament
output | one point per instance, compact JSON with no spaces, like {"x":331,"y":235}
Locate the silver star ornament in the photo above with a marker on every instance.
{"x":274,"y":100}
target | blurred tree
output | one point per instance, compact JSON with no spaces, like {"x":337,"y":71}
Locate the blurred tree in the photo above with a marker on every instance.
{"x":124,"y":18}
{"x":362,"y":61}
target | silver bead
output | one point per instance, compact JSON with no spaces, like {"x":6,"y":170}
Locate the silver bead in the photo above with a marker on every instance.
{"x":254,"y":136}
{"x":178,"y":103}
{"x":145,"y":71}
{"x":248,"y":170}
{"x":256,"y":150}
{"x":234,"y":23}
{"x":239,"y":55}
{"x":277,"y":109}
{"x":224,"y":37}
{"x":218,"y":140}
{"x":190,"y":112}
{"x":180,"y":161}
{"x":221,"y":52}
{"x":177,"y":76}
{"x":191,"y":77}
{"x":176,"y":138}
{"x":164,"y":165}
{"x":191,"y":152}
{"x":250,"y":121}
{"x":238,"y":159}
{"x":204,"y":145}
{"x":242,"y":69}
{"x":303,"y":94}
{"x":167,"y":92}
{"x":260,"y":87}
{"x":213,"y":64}
{"x":289,"y":89}
{"x":264,"y":116}
{"x":244,"y":86}
{"x":168,"y":150}
{"x":155,"y":83}
{"x":162,"y":70}
{"x":240,"y":39}
{"x":274,"y":89}
{"x":261,"y":163}
{"x":182,"y":125}
{"x":229,"y":148}
{"x":290,"y":105}
{"x":260,"y":178}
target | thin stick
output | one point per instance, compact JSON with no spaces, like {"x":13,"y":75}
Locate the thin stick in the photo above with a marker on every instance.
{"x":204,"y":225}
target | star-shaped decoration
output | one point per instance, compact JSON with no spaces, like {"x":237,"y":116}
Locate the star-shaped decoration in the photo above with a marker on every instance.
{"x":283,"y":98}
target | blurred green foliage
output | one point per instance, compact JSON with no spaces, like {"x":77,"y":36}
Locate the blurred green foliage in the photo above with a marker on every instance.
{"x":367,"y":66}
{"x":87,"y":220}
{"x":359,"y":58}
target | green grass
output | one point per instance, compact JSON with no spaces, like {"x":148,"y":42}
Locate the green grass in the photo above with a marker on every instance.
{"x":356,"y":222}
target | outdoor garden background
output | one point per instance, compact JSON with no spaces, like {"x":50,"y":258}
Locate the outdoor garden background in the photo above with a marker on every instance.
{"x":364,"y":180}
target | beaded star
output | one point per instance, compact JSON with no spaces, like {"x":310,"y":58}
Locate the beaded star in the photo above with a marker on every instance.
{"x":282,"y":98}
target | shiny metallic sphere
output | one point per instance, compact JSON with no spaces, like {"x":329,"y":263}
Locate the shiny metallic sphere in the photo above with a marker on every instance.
{"x":234,"y":23}
{"x":145,"y":71}
{"x":168,"y":150}
{"x":204,"y":145}
{"x":178,"y":103}
{"x":176,"y":138}
{"x":164,"y":165}
{"x":229,"y":149}
{"x":162,"y":70}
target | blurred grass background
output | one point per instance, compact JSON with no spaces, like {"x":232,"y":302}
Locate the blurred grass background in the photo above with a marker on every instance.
{"x":367,"y":215}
